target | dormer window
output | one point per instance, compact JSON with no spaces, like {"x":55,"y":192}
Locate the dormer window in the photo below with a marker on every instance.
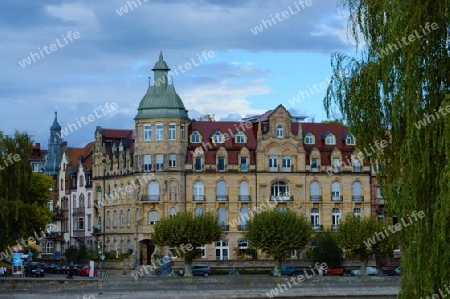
{"x":218,"y":137}
{"x":195,"y":137}
{"x":310,"y":139}
{"x":350,"y":140}
{"x":280,"y":131}
{"x":330,"y":140}
{"x":240,"y":137}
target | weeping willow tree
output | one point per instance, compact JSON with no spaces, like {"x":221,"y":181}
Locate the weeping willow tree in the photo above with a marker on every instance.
{"x":23,"y":194}
{"x":398,"y":89}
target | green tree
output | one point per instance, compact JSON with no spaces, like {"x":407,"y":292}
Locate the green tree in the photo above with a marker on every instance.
{"x":399,"y":83}
{"x":185,"y":232}
{"x":23,"y":194}
{"x":277,"y":233}
{"x":326,"y":249}
{"x":364,"y":237}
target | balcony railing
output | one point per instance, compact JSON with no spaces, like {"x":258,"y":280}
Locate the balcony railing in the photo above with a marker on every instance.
{"x":357,"y":197}
{"x":55,"y":236}
{"x":96,"y":230}
{"x":336,"y":198}
{"x":273,"y":169}
{"x":315,"y":197}
{"x":286,"y":169}
{"x":221,"y":197}
{"x":242,"y":227}
{"x":244,"y":197}
{"x":150,"y":198}
{"x":282,"y":197}
{"x":225,"y":227}
{"x":317,"y":226}
{"x":199,"y":197}
{"x":380,"y":200}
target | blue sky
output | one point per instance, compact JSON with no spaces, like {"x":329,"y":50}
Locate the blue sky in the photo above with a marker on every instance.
{"x":112,"y":57}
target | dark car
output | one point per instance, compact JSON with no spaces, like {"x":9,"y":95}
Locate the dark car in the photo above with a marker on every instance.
{"x":53,"y":268}
{"x":334,"y":271}
{"x":285,"y":270}
{"x":36,"y":270}
{"x":394,"y":272}
{"x":204,"y":270}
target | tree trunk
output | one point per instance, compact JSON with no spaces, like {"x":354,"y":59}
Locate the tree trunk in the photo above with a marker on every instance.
{"x":277,"y":268}
{"x":187,"y":266}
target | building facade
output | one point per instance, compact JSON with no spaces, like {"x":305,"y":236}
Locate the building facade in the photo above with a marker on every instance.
{"x":170,"y":163}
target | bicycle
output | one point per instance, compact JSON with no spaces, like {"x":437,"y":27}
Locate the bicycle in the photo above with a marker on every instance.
{"x":102,"y":274}
{"x":233,"y":272}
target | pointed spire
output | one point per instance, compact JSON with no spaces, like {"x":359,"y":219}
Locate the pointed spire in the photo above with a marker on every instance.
{"x":160,"y":56}
{"x":55,"y":127}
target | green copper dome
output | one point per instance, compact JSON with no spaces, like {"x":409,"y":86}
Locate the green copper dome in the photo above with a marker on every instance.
{"x":161,"y":99}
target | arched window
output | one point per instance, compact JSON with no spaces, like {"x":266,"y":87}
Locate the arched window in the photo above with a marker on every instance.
{"x":218,"y":137}
{"x":356,"y":191}
{"x":357,"y":212}
{"x":122,"y":218}
{"x":315,"y":218}
{"x":356,"y":165}
{"x":221,"y":191}
{"x":49,"y":247}
{"x":244,"y":191}
{"x":153,"y":191}
{"x":240,"y":138}
{"x":222,"y":250}
{"x":335,"y":218}
{"x":222,"y":215}
{"x":310,"y":139}
{"x":173,"y":212}
{"x":314,"y":190}
{"x":108,"y":218}
{"x":198,"y":211}
{"x":335,"y":191}
{"x":199,"y":191}
{"x":81,"y":201}
{"x":280,"y":131}
{"x":153,"y":217}
{"x":279,"y":190}
{"x":195,"y":137}
{"x":244,"y":218}
{"x":115,"y":219}
{"x":330,"y":139}
{"x":242,"y":246}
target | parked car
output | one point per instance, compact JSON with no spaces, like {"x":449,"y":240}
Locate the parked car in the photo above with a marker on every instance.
{"x":85,"y":271}
{"x":369,"y":271}
{"x":201,"y":269}
{"x":285,"y":270}
{"x":53,"y":268}
{"x":36,"y":270}
{"x":334,"y":271}
{"x":393,"y":272}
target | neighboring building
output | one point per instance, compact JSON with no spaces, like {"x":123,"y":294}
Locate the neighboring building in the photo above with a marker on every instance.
{"x":37,"y":158}
{"x":174,"y":164}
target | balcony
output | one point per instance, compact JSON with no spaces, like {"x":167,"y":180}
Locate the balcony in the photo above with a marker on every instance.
{"x":244,"y":197}
{"x":199,"y":197}
{"x":315,"y":197}
{"x":242,"y":227}
{"x":244,"y":167}
{"x":79,"y":211}
{"x":96,"y":230}
{"x":221,"y":197}
{"x":357,"y":197}
{"x":317,"y":227}
{"x":286,"y":169}
{"x":150,"y":197}
{"x":57,"y":236}
{"x":225,"y":227}
{"x":314,"y":169}
{"x":380,"y":201}
{"x":58,"y":215}
{"x":273,"y":169}
{"x":336,"y":198}
{"x":282,"y":197}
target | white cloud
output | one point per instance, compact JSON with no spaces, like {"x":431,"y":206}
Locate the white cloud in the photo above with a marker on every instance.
{"x":72,"y":12}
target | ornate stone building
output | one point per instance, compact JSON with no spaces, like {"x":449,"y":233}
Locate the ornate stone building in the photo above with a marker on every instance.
{"x":171,"y":164}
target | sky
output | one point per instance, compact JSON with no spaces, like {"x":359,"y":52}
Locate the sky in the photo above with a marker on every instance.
{"x":80,"y":58}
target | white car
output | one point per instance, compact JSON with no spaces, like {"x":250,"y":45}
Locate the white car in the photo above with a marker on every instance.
{"x":369,"y":271}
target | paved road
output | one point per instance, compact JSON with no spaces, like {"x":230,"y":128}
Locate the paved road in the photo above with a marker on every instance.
{"x":244,"y":286}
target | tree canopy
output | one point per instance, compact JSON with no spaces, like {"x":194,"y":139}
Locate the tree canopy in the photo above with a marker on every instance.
{"x":184,"y":232}
{"x":398,"y":89}
{"x":326,"y":249}
{"x":278,"y":233}
{"x":23,"y":194}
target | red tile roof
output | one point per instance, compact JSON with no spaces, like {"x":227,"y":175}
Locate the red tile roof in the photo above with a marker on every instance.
{"x":117,"y":134}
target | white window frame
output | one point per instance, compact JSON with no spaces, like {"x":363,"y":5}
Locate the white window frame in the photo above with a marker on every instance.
{"x":330,"y":139}
{"x":335,"y":217}
{"x":195,"y":137}
{"x":309,"y":139}
{"x":159,"y":131}
{"x":315,"y":217}
{"x":273,"y":163}
{"x":218,"y":137}
{"x":172,"y":160}
{"x":240,"y":138}
{"x":172,"y":131}
{"x":350,"y":140}
{"x":159,"y":162}
{"x":182,"y":132}
{"x":147,"y":162}
{"x":286,"y":163}
{"x":280,"y":131}
{"x":147,"y":132}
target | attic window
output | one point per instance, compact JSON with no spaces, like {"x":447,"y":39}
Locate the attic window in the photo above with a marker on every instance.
{"x":240,"y":137}
{"x":309,"y":139}
{"x":350,"y":140}
{"x":330,"y":140}
{"x":195,"y":137}
{"x":280,"y":131}
{"x":218,"y":137}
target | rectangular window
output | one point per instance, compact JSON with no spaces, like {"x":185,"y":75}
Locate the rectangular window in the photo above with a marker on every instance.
{"x":159,"y":162}
{"x":182,"y":132}
{"x":147,"y":132}
{"x":159,"y":131}
{"x":286,"y":163}
{"x":172,"y":160}
{"x":198,"y":163}
{"x":128,"y":217}
{"x":147,"y":162}
{"x":172,"y":131}
{"x":336,"y":165}
{"x":80,"y":223}
{"x":273,"y":163}
{"x":89,"y":222}
{"x":202,"y":249}
{"x":280,"y":131}
{"x":221,"y":164}
{"x":244,"y":164}
{"x":240,"y":138}
{"x":314,"y":164}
